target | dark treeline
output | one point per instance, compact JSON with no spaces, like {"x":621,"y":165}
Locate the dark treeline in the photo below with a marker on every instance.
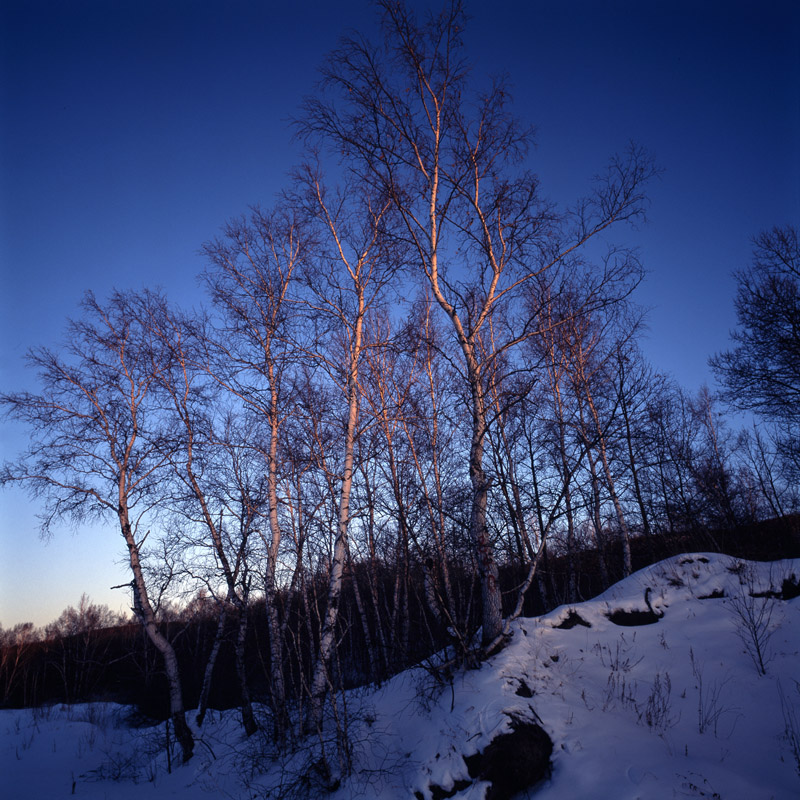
{"x":409,"y":397}
{"x":91,"y":654}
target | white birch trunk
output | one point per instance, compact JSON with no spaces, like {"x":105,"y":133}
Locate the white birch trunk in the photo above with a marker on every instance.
{"x":144,"y":611}
{"x":320,"y":676}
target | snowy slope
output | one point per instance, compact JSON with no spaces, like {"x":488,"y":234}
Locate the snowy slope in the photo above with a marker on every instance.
{"x":675,"y":708}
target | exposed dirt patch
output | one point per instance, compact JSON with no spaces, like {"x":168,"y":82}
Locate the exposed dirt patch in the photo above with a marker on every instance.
{"x":630,"y":619}
{"x":572,"y":619}
{"x":513,"y":761}
{"x":790,"y":588}
{"x":523,"y":690}
{"x":437,"y":793}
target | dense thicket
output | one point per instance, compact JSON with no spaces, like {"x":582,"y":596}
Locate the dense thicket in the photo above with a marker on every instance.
{"x":414,"y":409}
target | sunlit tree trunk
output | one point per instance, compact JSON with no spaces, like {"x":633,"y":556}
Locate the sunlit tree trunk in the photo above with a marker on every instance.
{"x":320,"y":678}
{"x":251,"y":274}
{"x":342,"y":291}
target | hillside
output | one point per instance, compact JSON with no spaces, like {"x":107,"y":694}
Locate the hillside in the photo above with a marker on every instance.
{"x":666,"y":701}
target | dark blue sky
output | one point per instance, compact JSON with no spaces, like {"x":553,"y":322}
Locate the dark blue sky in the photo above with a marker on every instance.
{"x":130,"y":132}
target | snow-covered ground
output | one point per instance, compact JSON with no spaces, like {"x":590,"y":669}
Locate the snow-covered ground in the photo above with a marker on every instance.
{"x":672,"y":709}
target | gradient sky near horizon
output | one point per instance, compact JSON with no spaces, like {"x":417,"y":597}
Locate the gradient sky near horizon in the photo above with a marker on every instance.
{"x":131,"y":131}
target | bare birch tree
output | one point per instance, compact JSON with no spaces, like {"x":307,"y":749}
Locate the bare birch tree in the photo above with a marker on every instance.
{"x":96,"y":447}
{"x":345,"y":282}
{"x":250,"y":274}
{"x":403,"y":119}
{"x":207,"y":467}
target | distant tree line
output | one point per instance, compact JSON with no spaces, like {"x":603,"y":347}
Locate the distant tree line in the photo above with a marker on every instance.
{"x":409,"y":394}
{"x":92,"y":654}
